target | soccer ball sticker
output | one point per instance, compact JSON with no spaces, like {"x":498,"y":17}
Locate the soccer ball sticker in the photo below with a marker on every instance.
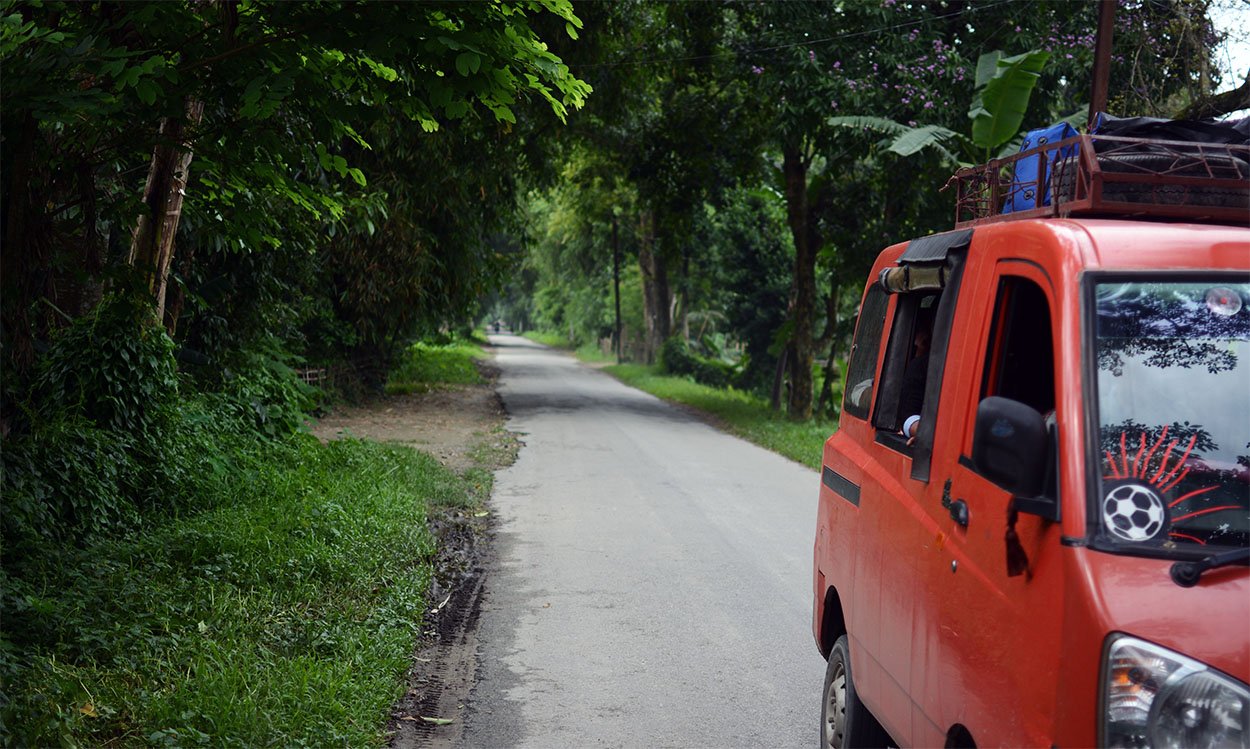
{"x":1134,"y":512}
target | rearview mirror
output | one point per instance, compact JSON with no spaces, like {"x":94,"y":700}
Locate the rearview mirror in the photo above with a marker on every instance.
{"x":1009,"y":446}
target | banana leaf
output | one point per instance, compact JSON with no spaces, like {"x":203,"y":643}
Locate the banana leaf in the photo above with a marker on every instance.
{"x":929,"y":136}
{"x":905,"y":140}
{"x":999,"y":105}
{"x":866,"y":122}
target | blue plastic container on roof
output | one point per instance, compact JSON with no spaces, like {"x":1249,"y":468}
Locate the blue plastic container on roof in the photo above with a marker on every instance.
{"x":1024,"y":179}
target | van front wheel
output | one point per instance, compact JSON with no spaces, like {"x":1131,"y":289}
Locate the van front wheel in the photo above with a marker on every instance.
{"x":844,"y":721}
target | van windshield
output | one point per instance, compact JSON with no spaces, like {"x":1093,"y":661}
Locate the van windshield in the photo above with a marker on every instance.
{"x":1173,"y":400}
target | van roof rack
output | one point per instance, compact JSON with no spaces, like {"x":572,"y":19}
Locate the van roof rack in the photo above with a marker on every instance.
{"x":1109,"y":176}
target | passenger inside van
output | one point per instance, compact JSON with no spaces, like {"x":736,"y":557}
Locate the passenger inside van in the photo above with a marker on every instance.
{"x":911,"y":399}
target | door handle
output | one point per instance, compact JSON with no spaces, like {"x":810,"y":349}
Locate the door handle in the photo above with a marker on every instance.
{"x":959,"y":512}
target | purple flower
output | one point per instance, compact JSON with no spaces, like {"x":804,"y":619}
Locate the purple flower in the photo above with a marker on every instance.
{"x":811,"y":55}
{"x":757,"y":69}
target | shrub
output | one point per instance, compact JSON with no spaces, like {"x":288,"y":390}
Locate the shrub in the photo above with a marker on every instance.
{"x":676,"y":358}
{"x":115,"y":367}
{"x":107,"y":438}
{"x":64,"y":481}
{"x":441,"y":360}
{"x":262,"y":391}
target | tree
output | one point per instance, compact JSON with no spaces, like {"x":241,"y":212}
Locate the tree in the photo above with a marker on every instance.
{"x":265,"y":95}
{"x":1003,"y":88}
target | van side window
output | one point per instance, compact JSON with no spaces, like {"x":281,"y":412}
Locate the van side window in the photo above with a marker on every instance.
{"x":904,"y":372}
{"x":859,"y":377}
{"x":1020,"y":359}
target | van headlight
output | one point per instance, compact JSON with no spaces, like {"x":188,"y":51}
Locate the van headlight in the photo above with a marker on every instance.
{"x":1153,"y":697}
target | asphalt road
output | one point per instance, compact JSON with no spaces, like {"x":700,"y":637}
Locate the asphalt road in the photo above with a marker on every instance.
{"x":652,"y":586}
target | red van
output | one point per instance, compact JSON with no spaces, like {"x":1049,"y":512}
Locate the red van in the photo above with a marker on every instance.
{"x":1055,"y":553}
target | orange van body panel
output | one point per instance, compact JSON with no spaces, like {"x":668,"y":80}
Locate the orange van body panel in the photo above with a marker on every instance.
{"x":940,"y":635}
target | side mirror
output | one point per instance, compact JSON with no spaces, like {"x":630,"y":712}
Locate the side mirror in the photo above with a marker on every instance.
{"x":1009,"y":446}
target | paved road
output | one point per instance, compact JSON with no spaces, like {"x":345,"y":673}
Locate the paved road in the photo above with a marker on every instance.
{"x":652,"y":586}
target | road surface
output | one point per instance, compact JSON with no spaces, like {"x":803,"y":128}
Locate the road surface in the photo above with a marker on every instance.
{"x":652,"y":581}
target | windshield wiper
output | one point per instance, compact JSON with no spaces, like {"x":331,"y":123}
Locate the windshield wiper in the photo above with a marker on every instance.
{"x":1187,"y":574}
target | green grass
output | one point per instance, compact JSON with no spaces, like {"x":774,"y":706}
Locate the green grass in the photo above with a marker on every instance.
{"x":745,"y":415}
{"x":587,"y":352}
{"x":590,"y":352}
{"x":284,"y":617}
{"x":426,"y":366}
{"x":554,"y":340}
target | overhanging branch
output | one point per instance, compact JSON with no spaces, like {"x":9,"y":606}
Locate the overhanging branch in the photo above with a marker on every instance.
{"x":1219,"y":104}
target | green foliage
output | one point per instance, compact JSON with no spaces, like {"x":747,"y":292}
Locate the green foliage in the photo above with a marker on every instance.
{"x":1003,"y":88}
{"x":285,"y":616}
{"x":570,"y":259}
{"x":263,"y":393}
{"x":428,"y":364}
{"x":93,"y":461}
{"x":67,"y":479}
{"x":102,"y":401}
{"x":676,"y":358}
{"x":114,"y":367}
{"x":362,"y":171}
{"x":750,"y":262}
{"x":554,"y":340}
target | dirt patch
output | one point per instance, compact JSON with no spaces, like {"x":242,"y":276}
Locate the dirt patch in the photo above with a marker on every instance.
{"x":449,"y":422}
{"x":463,"y":427}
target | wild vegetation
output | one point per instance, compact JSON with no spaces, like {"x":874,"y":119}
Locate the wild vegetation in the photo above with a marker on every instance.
{"x":741,"y":163}
{"x":200,"y":199}
{"x":216,"y":216}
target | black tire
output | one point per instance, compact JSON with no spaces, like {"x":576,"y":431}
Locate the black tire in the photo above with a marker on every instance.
{"x":845,"y":723}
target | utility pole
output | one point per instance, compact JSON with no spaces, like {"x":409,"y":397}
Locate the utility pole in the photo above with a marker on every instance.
{"x":1102,"y":59}
{"x":616,"y":285}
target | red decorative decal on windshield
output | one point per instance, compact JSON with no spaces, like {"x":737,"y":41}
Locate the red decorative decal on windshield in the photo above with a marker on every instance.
{"x":1162,"y":476}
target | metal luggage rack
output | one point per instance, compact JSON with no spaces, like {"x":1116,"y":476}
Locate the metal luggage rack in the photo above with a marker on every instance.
{"x":1103,"y":175}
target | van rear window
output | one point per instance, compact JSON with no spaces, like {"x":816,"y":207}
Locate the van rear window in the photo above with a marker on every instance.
{"x":1173,"y":384}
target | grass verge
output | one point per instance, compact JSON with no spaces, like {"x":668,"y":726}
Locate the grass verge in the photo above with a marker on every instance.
{"x":426,"y":366}
{"x":554,"y":340}
{"x":284,"y":617}
{"x":743,"y":414}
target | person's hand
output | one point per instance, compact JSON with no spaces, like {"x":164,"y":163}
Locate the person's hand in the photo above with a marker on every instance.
{"x":915,"y":429}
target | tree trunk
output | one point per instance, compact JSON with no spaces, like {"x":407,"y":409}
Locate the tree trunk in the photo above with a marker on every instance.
{"x":655,"y":290}
{"x":831,"y":369}
{"x":25,"y":245}
{"x":803,"y":299}
{"x":616,"y":286}
{"x":779,"y":378}
{"x":152,"y":245}
{"x":684,"y":306}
